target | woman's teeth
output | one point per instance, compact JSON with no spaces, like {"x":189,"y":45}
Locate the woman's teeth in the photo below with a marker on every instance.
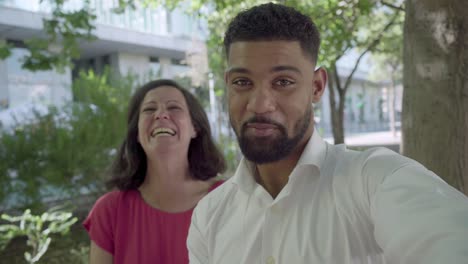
{"x":163,"y":131}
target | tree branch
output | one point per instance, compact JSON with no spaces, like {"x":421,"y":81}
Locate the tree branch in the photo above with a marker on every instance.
{"x":392,"y":6}
{"x":338,"y":86}
{"x":331,"y":86}
{"x":371,"y":46}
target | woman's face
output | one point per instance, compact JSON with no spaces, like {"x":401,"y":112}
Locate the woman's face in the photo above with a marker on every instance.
{"x":164,"y":124}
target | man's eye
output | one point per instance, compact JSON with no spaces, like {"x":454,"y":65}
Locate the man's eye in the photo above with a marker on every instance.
{"x":241,"y":82}
{"x":284,"y":82}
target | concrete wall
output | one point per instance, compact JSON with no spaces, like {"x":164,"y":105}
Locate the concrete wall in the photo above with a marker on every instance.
{"x":133,"y":64}
{"x":165,"y":64}
{"x":23,"y":86}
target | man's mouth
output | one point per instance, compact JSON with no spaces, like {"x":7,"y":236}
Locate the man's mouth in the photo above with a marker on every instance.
{"x":260,"y":129}
{"x":261,"y":125}
{"x":162,"y":131}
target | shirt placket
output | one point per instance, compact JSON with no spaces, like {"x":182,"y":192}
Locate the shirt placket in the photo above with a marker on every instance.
{"x":271,"y":234}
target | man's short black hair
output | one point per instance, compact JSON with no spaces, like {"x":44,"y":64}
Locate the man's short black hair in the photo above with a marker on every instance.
{"x":274,"y":22}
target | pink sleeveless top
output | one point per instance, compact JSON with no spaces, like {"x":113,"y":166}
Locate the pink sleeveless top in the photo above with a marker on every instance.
{"x":124,"y":225}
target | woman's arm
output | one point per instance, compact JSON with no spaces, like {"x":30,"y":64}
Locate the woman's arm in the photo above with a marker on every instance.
{"x":97,"y":255}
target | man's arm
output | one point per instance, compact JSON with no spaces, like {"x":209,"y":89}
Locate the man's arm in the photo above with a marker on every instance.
{"x":418,"y":218}
{"x":196,"y":242}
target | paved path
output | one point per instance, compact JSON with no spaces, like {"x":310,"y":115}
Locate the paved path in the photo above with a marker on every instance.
{"x":371,"y":139}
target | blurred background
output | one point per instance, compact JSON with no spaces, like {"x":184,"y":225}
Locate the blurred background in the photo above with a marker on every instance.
{"x":68,"y":69}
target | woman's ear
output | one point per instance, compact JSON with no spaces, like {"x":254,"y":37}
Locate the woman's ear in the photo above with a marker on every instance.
{"x":194,"y":130}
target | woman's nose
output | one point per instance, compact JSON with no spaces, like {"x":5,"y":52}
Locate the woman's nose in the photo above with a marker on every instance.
{"x":161,"y":115}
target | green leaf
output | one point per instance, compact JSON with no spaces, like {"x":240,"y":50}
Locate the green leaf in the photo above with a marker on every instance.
{"x":28,"y":257}
{"x":5,"y":50}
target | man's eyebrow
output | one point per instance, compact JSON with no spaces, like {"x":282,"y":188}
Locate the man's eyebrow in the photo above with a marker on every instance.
{"x":274,"y":69}
{"x":285,"y":68}
{"x":237,"y":70}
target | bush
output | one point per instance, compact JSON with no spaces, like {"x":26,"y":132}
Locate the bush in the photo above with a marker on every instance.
{"x":65,"y":152}
{"x":37,"y":229}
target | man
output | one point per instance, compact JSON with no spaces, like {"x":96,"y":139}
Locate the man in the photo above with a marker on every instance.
{"x":296,"y":199}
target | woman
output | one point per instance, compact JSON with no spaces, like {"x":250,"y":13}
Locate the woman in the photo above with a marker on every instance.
{"x":166,"y":164}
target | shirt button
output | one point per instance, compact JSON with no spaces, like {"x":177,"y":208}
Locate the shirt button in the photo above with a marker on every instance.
{"x":270,"y":260}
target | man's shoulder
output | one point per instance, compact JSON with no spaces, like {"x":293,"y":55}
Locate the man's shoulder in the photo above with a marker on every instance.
{"x":221,"y":190}
{"x":384,"y":159}
{"x":376,"y":157}
{"x":352,"y":167}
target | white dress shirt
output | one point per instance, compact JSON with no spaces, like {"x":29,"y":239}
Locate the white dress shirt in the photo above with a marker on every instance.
{"x":339,"y":206}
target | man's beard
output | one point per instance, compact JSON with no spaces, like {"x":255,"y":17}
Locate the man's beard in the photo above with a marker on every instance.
{"x":270,"y":149}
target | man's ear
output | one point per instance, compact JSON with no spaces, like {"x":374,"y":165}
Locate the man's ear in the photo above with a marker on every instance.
{"x":320,"y":82}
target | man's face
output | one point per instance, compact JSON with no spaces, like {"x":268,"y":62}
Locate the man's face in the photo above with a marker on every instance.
{"x":271,"y":86}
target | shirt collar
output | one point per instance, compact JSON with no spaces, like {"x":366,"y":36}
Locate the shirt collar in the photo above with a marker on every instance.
{"x":313,"y":155}
{"x":314,"y":152}
{"x":244,"y":176}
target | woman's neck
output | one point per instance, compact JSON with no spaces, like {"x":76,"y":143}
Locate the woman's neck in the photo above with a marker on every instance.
{"x":171,"y":187}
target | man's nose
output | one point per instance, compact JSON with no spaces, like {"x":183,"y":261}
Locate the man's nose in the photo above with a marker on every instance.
{"x":261,"y":100}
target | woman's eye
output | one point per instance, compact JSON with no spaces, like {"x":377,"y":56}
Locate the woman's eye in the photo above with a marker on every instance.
{"x":173,"y":107}
{"x":149,"y":109}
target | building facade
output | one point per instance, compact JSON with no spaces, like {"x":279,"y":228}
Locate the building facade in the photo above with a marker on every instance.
{"x":143,"y":42}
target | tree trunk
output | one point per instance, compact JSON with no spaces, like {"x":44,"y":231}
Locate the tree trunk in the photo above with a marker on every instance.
{"x":336,"y":113}
{"x":435,"y":101}
{"x":335,"y":85}
{"x":391,"y":106}
{"x":340,"y":133}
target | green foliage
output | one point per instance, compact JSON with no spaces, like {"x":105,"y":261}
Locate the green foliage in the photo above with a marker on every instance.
{"x":63,"y":30}
{"x":339,"y":23}
{"x":81,"y":253}
{"x":5,"y":50}
{"x":65,"y":152}
{"x":388,"y":56}
{"x":132,"y":4}
{"x":37,"y":229}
